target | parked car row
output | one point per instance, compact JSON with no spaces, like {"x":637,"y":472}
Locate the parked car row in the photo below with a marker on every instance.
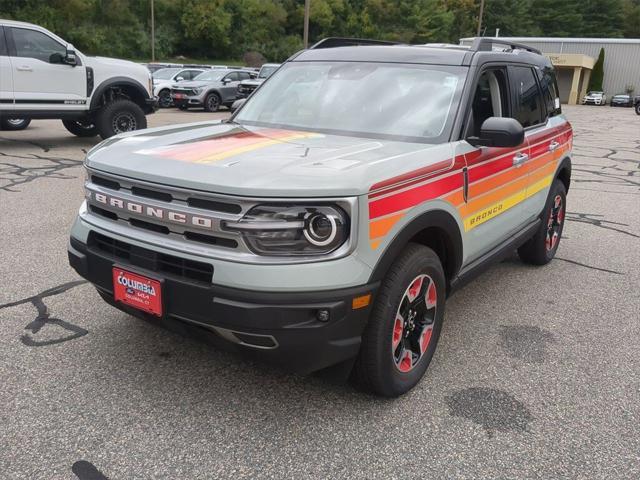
{"x":190,"y":87}
{"x":618,"y":100}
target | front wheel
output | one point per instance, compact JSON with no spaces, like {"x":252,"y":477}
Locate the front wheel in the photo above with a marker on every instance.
{"x":401,"y":336}
{"x":14,"y":123}
{"x":120,"y":116}
{"x":164,"y":99}
{"x":212,"y":102}
{"x":80,"y":128}
{"x":542,"y":247}
{"x":638,"y":108}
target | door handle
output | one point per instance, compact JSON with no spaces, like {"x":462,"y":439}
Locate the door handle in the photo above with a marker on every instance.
{"x":519,"y":159}
{"x":553,"y":146}
{"x":24,"y":68}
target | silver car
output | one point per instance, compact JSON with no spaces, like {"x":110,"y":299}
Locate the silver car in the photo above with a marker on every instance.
{"x":211,"y":89}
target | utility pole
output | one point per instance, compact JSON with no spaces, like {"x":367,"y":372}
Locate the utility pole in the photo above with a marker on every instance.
{"x":480,"y":17}
{"x":305,"y":36}
{"x":153,"y":33}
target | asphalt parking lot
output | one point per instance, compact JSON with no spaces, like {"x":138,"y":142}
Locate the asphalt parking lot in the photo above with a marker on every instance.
{"x":537,"y":374}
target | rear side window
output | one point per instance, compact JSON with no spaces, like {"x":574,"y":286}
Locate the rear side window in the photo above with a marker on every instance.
{"x":549,"y":88}
{"x":3,"y":43}
{"x":528,"y":108}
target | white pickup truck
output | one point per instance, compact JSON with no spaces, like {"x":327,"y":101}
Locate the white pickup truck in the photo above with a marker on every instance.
{"x":44,"y":77}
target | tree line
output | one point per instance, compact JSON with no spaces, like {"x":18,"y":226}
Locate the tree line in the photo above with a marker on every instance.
{"x":227,"y":29}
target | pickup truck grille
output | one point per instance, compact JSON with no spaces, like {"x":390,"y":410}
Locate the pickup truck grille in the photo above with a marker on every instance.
{"x":168,"y":214}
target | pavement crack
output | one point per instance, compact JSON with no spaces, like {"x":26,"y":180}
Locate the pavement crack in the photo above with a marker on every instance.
{"x":591,"y":219}
{"x":44,"y":317}
{"x":16,"y":174}
{"x":589,"y":266}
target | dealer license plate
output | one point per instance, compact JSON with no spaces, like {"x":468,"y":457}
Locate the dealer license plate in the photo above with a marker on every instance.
{"x":137,"y":291}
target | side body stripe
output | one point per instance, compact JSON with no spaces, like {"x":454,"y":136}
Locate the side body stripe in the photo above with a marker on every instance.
{"x":495,"y":185}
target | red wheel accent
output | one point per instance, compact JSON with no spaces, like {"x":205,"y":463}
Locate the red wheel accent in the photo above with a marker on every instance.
{"x":425,"y":338}
{"x":554,"y":223}
{"x":398,"y":329}
{"x":413,"y":325}
{"x":414,"y":289}
{"x":406,"y":363}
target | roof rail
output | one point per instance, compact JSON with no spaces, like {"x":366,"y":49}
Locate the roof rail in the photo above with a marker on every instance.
{"x":485,"y":44}
{"x":332,"y":42}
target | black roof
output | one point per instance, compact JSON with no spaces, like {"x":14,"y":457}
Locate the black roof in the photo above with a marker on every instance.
{"x":483,"y":50}
{"x":386,"y":53}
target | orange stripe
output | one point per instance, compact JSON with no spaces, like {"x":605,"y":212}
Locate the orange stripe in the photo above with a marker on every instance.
{"x":379,"y":228}
{"x":455,"y":198}
{"x":508,"y":190}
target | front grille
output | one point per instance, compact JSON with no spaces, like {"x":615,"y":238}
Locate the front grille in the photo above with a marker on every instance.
{"x":149,"y":260}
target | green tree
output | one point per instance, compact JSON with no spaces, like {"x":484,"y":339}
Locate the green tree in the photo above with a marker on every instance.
{"x":597,"y":74}
{"x":513,"y":17}
{"x":631,"y":18}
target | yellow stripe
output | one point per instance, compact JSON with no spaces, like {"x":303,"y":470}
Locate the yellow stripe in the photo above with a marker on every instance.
{"x":253,"y":146}
{"x":478,"y":218}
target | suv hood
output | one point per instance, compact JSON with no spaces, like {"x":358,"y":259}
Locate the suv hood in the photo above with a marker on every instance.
{"x":114,"y":62}
{"x":253,"y":161}
{"x":193,"y":84}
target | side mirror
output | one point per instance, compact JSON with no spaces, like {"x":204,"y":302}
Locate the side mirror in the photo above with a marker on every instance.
{"x":56,"y":58}
{"x":70,"y":57}
{"x":179,"y":79}
{"x":499,"y":132}
{"x":226,"y":80}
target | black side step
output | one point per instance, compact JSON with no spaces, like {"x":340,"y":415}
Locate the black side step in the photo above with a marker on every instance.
{"x":498,"y":253}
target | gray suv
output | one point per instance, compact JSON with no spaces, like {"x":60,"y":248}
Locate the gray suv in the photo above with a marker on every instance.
{"x":210,"y":89}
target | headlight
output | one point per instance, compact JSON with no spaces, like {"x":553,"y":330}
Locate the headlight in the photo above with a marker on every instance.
{"x":293,"y":230}
{"x":197,"y":91}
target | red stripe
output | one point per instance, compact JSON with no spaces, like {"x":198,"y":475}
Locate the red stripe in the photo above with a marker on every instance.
{"x":414,"y":196}
{"x":490,"y":168}
{"x":410,"y":175}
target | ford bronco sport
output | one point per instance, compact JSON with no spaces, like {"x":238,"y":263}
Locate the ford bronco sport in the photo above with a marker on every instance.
{"x":327,"y":221}
{"x":42,"y":76}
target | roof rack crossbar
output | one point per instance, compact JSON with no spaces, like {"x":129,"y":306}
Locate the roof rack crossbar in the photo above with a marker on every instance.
{"x":331,"y":42}
{"x":483,"y":44}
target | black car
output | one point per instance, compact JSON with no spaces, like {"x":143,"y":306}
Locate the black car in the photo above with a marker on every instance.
{"x":622,"y":100}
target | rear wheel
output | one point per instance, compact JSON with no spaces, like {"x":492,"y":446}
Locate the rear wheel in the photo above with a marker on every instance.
{"x":542,"y":247}
{"x":14,"y":123}
{"x":212,"y":102}
{"x":80,"y":128}
{"x":120,"y":116}
{"x":401,"y":336}
{"x":638,"y":108}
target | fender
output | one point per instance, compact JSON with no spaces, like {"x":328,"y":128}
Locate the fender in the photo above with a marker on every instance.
{"x":564,"y":172}
{"x":433,"y":218}
{"x":111,"y":82}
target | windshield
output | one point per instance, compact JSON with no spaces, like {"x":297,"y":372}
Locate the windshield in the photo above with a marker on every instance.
{"x":211,"y":75}
{"x":375,"y":100}
{"x":165,"y":73}
{"x":265,"y":72}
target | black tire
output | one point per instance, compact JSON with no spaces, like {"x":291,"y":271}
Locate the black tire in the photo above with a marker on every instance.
{"x":184,"y":108}
{"x":14,"y":123}
{"x":80,"y":129}
{"x":638,"y":108}
{"x":164,"y":98}
{"x":378,"y":366}
{"x":542,"y":247}
{"x":212,"y":102}
{"x":120,"y":116}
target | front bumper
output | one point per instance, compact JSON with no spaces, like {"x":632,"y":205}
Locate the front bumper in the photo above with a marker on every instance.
{"x":277,"y":327}
{"x":151,"y":104}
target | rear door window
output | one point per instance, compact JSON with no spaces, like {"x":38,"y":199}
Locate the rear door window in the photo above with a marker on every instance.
{"x":549,"y":88}
{"x":528,"y":105}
